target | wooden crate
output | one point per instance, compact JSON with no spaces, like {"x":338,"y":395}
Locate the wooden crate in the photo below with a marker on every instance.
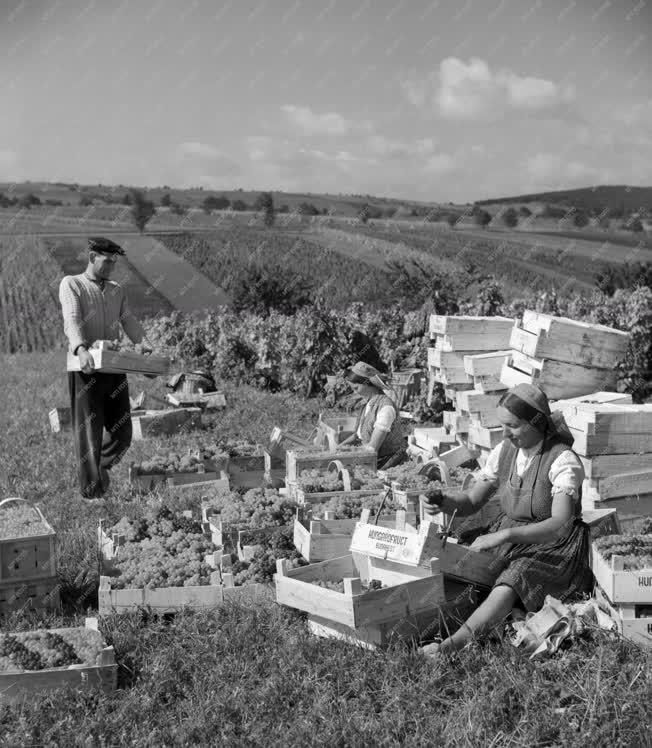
{"x":608,"y":418}
{"x":433,"y":438}
{"x":440,"y":359}
{"x":604,"y":465}
{"x":60,"y":419}
{"x":207,"y":400}
{"x":633,"y":587}
{"x":557,"y":379}
{"x":601,"y":522}
{"x":450,"y":377}
{"x":488,"y":385}
{"x":148,"y":481}
{"x":246,"y":551}
{"x":336,"y":429}
{"x":419,"y":454}
{"x":29,"y":558}
{"x":456,"y":456}
{"x":442,"y":324}
{"x":305,"y":499}
{"x":122,"y":362}
{"x":485,"y":418}
{"x":168,"y":599}
{"x":472,"y":401}
{"x":594,"y":445}
{"x":406,"y":385}
{"x":630,"y":509}
{"x":296,"y":461}
{"x":181,"y":481}
{"x":633,"y":622}
{"x":484,"y":437}
{"x":28,"y":685}
{"x":485,"y":364}
{"x":455,"y":422}
{"x":164,"y":422}
{"x":597,"y":398}
{"x":562,"y":339}
{"x":323,"y":539}
{"x":615,"y":486}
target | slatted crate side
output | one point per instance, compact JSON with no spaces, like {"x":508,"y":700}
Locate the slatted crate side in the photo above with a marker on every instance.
{"x":29,"y":557}
{"x":298,"y":461}
{"x":633,"y":622}
{"x":247,"y":550}
{"x":487,"y":438}
{"x":633,"y":586}
{"x":485,"y":364}
{"x":164,"y":422}
{"x":118,"y":362}
{"x":442,"y":324}
{"x":34,"y":594}
{"x":304,"y":498}
{"x":182,"y":481}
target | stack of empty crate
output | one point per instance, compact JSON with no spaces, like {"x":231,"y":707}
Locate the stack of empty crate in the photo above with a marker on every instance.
{"x":613,"y":438}
{"x":467,"y":359}
{"x":563,"y":357}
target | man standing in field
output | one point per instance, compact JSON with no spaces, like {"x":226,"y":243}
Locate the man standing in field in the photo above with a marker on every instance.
{"x":93,"y":309}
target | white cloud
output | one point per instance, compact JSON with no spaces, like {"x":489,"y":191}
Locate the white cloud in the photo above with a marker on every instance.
{"x":202,"y":164}
{"x":307,"y":122}
{"x":8,"y":158}
{"x":441,"y":163}
{"x":461,"y":90}
{"x":384,"y":147}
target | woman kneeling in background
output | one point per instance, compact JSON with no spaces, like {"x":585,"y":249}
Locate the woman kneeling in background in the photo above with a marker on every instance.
{"x":378,"y":424}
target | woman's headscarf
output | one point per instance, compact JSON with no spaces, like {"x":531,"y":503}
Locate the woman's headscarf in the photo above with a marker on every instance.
{"x":530,"y":403}
{"x":367,"y":374}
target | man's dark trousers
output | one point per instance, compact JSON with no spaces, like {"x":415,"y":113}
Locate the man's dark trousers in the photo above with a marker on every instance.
{"x":99,"y":401}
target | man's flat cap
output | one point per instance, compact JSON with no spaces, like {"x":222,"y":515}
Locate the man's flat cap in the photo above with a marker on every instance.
{"x":106,"y":246}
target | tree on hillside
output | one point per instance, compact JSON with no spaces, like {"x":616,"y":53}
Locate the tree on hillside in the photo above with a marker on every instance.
{"x":307,"y":209}
{"x":166,"y":200}
{"x":29,"y":200}
{"x":524,"y":211}
{"x":265,"y":204}
{"x":142,"y":209}
{"x":633,"y":224}
{"x":215,"y":202}
{"x":483,"y":218}
{"x":363,"y":213}
{"x":85,"y":201}
{"x":127,"y":200}
{"x":451,"y":219}
{"x":239,"y":205}
{"x":510,"y":218}
{"x":580,"y":219}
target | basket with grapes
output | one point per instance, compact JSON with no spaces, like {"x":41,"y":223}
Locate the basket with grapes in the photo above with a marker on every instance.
{"x":171,"y":468}
{"x":33,"y":662}
{"x":28,"y":567}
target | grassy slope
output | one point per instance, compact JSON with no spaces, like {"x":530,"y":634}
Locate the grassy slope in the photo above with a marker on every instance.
{"x":587,"y":198}
{"x":255,"y":677}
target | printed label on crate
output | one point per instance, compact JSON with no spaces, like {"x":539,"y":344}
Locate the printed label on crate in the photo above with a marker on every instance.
{"x":396,"y":545}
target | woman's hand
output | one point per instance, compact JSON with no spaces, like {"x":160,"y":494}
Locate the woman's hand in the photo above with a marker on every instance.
{"x":492,"y":540}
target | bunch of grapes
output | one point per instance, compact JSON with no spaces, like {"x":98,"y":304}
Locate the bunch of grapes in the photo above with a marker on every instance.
{"x":262,"y":566}
{"x":170,"y":463}
{"x":162,"y":550}
{"x":233,"y":448}
{"x":20,"y":521}
{"x":329,"y":585}
{"x":635,"y":549}
{"x":315,"y":481}
{"x":258,"y":507}
{"x":38,"y":650}
{"x":346,"y":506}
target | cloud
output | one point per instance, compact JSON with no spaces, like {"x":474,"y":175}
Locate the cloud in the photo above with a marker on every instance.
{"x":307,"y":122}
{"x":379,"y":145}
{"x":461,"y":90}
{"x":441,"y":163}
{"x":202,"y":164}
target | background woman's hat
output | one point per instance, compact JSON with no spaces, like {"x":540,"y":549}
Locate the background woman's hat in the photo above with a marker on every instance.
{"x":361,"y":370}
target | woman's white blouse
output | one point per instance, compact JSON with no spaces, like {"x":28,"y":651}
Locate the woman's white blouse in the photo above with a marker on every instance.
{"x":566,"y":472}
{"x":384,"y":418}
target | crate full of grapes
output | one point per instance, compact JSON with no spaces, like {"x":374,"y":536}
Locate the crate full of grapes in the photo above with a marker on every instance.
{"x":298,"y":460}
{"x":633,"y":622}
{"x":28,"y":567}
{"x":622,"y":567}
{"x":174,"y":470}
{"x":163,"y":561}
{"x":35,"y":662}
{"x":317,"y":485}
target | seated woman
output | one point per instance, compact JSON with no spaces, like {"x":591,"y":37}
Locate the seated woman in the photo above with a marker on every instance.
{"x":378,"y":424}
{"x":539,"y":535}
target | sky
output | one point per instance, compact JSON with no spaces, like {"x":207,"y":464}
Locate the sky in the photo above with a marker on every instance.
{"x":442,"y":100}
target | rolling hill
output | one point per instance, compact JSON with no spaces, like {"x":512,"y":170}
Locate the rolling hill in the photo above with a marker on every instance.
{"x":586,"y":198}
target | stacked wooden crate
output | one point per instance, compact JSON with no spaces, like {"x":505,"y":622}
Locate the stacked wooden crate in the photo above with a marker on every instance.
{"x":625,"y":594}
{"x":563,"y":357}
{"x":456,"y":337}
{"x":613,"y":438}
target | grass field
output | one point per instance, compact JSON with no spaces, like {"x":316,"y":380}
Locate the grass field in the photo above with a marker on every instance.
{"x":242,"y":676}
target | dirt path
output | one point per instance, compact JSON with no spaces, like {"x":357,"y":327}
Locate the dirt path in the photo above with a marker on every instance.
{"x":173,"y":277}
